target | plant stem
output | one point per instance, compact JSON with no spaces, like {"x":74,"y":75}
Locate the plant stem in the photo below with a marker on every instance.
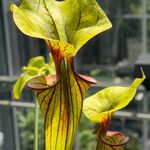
{"x":36,"y":126}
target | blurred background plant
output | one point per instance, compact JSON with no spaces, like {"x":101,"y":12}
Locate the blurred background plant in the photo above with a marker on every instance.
{"x":86,"y":139}
{"x":26,"y":120}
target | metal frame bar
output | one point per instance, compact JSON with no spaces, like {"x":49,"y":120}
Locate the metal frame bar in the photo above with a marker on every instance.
{"x":136,"y":16}
{"x":144,"y":25}
{"x":118,"y":114}
{"x":144,"y":50}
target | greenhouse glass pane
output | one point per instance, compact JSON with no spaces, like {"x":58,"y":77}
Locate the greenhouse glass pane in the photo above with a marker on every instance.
{"x":148,"y":6}
{"x":125,"y":6}
{"x":148,"y":32}
{"x":3,"y":59}
{"x":131,"y":7}
{"x":6,"y":129}
{"x":130,"y":44}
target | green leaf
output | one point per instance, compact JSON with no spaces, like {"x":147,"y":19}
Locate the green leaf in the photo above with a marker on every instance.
{"x":34,"y":64}
{"x":70,"y":21}
{"x":100,"y":106}
{"x":20,"y":83}
{"x":35,"y":67}
{"x":37,"y":62}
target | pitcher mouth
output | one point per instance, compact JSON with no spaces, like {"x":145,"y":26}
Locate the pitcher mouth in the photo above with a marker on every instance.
{"x":115,"y":139}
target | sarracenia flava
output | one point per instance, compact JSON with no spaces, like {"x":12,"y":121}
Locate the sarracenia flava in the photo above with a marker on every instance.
{"x":65,"y":26}
{"x":101,"y":107}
